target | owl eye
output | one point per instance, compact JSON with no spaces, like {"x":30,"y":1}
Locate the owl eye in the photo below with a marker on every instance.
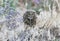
{"x":29,"y":18}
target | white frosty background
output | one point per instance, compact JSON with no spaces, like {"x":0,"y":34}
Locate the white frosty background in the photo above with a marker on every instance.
{"x":47,"y":28}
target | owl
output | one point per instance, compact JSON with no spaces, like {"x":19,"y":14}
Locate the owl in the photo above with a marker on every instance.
{"x":29,"y":18}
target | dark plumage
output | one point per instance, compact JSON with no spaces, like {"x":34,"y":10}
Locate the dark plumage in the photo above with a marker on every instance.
{"x":29,"y":18}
